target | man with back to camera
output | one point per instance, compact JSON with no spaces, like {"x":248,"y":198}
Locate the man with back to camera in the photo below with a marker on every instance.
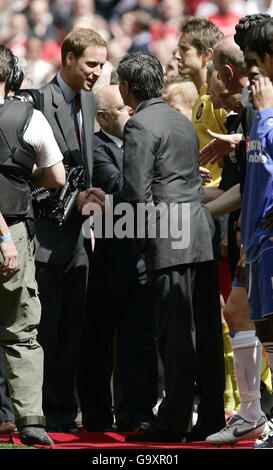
{"x":158,"y":172}
{"x":26,"y":139}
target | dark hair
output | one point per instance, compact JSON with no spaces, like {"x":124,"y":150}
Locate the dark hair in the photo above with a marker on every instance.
{"x":259,"y":39}
{"x":7,"y":62}
{"x":203,"y":33}
{"x":244,"y":26}
{"x":144,"y":74}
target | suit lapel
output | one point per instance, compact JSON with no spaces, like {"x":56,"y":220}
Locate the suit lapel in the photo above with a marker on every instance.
{"x":117,"y":152}
{"x":88,"y":116}
{"x":65,"y":123}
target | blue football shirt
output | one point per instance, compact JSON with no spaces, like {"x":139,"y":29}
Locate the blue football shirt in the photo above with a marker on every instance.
{"x":258,"y":189}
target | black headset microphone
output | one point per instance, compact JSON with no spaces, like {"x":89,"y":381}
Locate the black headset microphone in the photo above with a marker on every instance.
{"x":14,"y":82}
{"x":15,"y":78}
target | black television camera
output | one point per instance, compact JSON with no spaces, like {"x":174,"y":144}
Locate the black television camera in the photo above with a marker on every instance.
{"x":29,"y":95}
{"x":57,"y":204}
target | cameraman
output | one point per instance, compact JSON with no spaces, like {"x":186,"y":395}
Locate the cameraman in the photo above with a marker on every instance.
{"x":26,"y":142}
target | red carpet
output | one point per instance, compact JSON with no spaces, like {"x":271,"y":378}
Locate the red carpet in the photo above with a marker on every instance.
{"x":85,"y":440}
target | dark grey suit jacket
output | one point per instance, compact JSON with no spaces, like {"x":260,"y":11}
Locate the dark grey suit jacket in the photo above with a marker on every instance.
{"x":161,"y":167}
{"x":115,"y":261}
{"x":53,"y":246}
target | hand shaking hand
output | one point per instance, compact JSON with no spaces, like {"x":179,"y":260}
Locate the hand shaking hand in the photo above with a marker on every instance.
{"x":91,"y":201}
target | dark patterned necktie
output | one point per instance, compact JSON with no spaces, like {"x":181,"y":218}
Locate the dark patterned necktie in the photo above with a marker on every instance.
{"x":77,"y":108}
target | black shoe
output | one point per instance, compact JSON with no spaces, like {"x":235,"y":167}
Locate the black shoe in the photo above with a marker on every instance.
{"x":143,"y":426}
{"x":31,"y":435}
{"x":134,"y":427}
{"x":99,"y":428}
{"x":70,"y":429}
{"x":134,"y":423}
{"x":156,"y":435}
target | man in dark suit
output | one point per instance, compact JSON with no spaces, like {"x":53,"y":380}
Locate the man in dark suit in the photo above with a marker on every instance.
{"x":161,"y":175}
{"x":118,"y":298}
{"x":61,"y":259}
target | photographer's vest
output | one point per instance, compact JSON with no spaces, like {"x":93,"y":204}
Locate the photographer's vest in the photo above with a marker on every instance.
{"x":16,"y":161}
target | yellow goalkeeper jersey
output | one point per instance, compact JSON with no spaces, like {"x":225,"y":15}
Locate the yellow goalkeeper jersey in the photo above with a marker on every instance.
{"x":204,"y":117}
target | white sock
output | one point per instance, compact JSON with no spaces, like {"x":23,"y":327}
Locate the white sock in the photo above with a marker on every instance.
{"x":269,"y":351}
{"x":247,"y":351}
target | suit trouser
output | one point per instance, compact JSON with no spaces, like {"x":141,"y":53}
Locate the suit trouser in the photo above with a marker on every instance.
{"x":132,"y":316}
{"x":188,"y":327}
{"x":20,"y":312}
{"x":62,"y":291}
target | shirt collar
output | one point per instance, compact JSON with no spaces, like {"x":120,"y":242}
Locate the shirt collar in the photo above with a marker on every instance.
{"x":115,"y":139}
{"x":68,"y":93}
{"x":138,"y":106}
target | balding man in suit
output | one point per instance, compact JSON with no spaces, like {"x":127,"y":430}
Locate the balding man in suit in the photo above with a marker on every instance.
{"x":118,"y":299}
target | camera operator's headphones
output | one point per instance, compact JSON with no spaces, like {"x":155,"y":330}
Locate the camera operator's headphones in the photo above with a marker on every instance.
{"x":15,"y":78}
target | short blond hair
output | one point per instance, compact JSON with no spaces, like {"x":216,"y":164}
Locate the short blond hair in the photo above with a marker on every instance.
{"x":187,"y":91}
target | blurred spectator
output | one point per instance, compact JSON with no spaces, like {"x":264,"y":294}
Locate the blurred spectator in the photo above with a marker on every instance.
{"x":163,"y":49}
{"x":171,"y":82}
{"x":133,"y":30}
{"x":40,"y":21}
{"x":51,"y":52}
{"x":83,"y":9}
{"x":123,"y":6}
{"x":150,"y":6}
{"x":192,"y":5}
{"x":17,"y":35}
{"x":105,"y":7}
{"x":259,"y":6}
{"x":61,"y":11}
{"x":142,"y":36}
{"x":171,"y":12}
{"x":84,"y":15}
{"x":125,"y":29}
{"x":171,"y":69}
{"x":6,"y":11}
{"x":226,"y":18}
{"x":208,"y":8}
{"x":116,"y":49}
{"x":182,"y":97}
{"x":37,"y":68}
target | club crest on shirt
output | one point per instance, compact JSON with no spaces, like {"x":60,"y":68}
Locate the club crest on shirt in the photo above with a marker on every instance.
{"x":199,"y":111}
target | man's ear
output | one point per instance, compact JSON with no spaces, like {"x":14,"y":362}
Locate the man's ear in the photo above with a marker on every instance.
{"x":101,"y":117}
{"x":229,"y":71}
{"x":208,"y":55}
{"x":70,"y":58}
